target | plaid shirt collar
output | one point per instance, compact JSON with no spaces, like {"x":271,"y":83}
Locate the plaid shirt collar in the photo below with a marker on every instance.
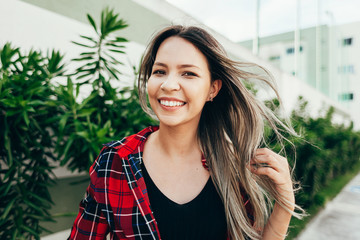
{"x":130,"y":152}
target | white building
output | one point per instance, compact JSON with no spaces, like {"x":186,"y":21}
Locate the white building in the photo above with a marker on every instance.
{"x":333,"y":69}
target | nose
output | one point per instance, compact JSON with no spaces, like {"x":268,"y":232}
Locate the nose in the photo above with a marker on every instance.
{"x":171,"y":83}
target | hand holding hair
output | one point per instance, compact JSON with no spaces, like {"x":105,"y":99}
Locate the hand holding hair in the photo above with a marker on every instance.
{"x":276,"y":167}
{"x":270,"y":164}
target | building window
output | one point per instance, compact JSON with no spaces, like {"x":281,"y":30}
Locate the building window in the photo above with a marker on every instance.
{"x":346,"y":69}
{"x":350,"y":68}
{"x":346,"y":96}
{"x":274,"y":58}
{"x":291,"y":50}
{"x":347,"y":41}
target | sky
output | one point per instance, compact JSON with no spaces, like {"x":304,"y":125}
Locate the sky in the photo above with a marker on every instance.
{"x":235,"y":19}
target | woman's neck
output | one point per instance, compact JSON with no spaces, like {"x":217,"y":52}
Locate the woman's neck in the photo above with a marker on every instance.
{"x":177,"y":143}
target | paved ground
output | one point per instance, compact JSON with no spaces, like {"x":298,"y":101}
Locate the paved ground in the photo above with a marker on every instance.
{"x":63,"y":235}
{"x":57,"y":236}
{"x":340,"y":220}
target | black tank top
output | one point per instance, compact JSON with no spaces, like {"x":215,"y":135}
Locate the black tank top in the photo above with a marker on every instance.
{"x":201,"y":218}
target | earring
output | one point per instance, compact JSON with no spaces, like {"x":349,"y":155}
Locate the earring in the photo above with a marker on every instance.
{"x":211,"y":99}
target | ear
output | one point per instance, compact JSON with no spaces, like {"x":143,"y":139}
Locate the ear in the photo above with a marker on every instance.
{"x":215,"y":88}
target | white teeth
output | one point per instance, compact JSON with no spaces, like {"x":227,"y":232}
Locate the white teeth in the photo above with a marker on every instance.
{"x":171,"y":103}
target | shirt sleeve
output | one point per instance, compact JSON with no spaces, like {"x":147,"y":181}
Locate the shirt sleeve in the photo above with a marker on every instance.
{"x":90,"y":223}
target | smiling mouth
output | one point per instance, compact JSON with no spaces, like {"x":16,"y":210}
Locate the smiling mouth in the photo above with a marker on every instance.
{"x":167,"y":103}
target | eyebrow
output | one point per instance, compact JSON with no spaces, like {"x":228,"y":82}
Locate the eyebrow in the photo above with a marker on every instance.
{"x":179,"y":66}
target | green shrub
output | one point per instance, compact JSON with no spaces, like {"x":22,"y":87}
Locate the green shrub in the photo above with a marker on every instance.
{"x":325,"y":151}
{"x":44,"y":122}
{"x":26,"y":136}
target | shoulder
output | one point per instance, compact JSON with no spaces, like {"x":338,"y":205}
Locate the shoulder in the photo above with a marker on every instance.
{"x":114,"y":152}
{"x":129,"y":144}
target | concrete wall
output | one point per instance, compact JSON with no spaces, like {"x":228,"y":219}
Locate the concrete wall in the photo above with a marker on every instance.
{"x":141,"y":21}
{"x":31,"y":27}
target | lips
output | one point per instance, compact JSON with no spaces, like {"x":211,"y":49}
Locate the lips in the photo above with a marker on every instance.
{"x":171,"y":103}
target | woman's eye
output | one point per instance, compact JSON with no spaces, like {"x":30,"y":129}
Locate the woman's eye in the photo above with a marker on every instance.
{"x":190,"y":74}
{"x":157,"y":72}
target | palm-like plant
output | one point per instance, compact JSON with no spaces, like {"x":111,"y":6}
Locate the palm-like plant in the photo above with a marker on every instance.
{"x":26,"y":111}
{"x":108,"y":112}
{"x":99,"y":61}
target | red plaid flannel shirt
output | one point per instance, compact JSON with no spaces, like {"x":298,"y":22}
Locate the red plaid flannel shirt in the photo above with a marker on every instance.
{"x":116,"y":200}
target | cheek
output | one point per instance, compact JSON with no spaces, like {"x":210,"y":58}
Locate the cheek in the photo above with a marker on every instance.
{"x":152,"y":89}
{"x":201,"y":91}
{"x":150,"y":86}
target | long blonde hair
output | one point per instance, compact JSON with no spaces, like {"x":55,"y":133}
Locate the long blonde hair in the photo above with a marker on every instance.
{"x":231,"y":128}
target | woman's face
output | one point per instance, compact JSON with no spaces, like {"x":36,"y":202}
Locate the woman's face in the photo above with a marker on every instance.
{"x":180,"y":83}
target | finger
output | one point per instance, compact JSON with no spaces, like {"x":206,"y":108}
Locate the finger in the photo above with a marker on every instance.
{"x":267,"y":161}
{"x":266,"y":151}
{"x":257,"y":164}
{"x":266,"y":171}
{"x":255,"y":167}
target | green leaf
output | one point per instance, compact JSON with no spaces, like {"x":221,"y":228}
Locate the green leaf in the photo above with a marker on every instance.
{"x":33,"y":206}
{"x":84,"y":135}
{"x":86,"y":112}
{"x":26,"y":118}
{"x":10,"y":113}
{"x":88,"y":99}
{"x":116,"y":51}
{"x":63,"y":121}
{"x":87,"y":53}
{"x":83,"y":76}
{"x":36,"y":103}
{"x":7,"y":209}
{"x":15,"y":234}
{"x":77,"y":91}
{"x":120,"y":39}
{"x":5,"y":189}
{"x":92,"y":22}
{"x":83,"y":58}
{"x":41,"y":199}
{"x":8,"y":149}
{"x":65,"y":152}
{"x":67,"y":214}
{"x":30,"y":230}
{"x":70,"y":87}
{"x":102,"y":132}
{"x":83,"y":45}
{"x":89,"y":38}
{"x":112,"y":72}
{"x":113,"y":44}
{"x":41,"y":218}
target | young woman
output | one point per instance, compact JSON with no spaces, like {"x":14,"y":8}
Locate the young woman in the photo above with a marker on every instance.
{"x":200,"y":174}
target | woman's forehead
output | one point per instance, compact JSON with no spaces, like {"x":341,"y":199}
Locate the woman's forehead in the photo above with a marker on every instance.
{"x":179,"y":51}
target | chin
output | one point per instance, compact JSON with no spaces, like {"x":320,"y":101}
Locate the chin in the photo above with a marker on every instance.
{"x":170,"y":123}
